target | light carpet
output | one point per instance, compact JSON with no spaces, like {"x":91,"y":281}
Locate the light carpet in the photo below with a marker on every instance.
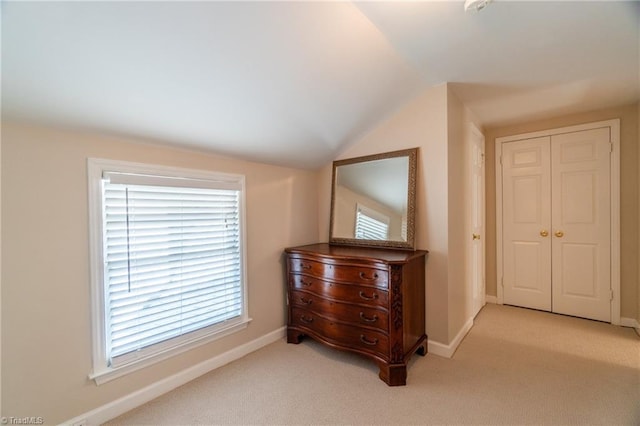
{"x":516,"y":366}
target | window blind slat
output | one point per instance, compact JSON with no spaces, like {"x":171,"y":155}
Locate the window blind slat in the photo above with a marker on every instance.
{"x":177,"y":315}
{"x":135,"y":336}
{"x":154,"y":181}
{"x":125,"y":314}
{"x":164,"y":333}
{"x":124,"y":298}
{"x":171,"y":269}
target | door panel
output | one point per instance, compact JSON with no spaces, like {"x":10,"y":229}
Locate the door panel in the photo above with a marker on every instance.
{"x":579,"y":270}
{"x":581,"y":220}
{"x":527,"y":257}
{"x":526,"y":188}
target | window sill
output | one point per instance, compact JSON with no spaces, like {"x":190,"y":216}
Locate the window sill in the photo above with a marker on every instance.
{"x":110,"y":373}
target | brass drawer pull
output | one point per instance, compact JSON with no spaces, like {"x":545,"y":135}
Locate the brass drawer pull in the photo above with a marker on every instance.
{"x":304,"y":266}
{"x":305,"y":319}
{"x":365,"y":297}
{"x":305,"y":283}
{"x":363,"y":317}
{"x":306,"y":301}
{"x":364,"y":277}
{"x":364,"y":340}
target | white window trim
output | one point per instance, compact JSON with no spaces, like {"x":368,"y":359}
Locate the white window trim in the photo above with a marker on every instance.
{"x":102,"y":372}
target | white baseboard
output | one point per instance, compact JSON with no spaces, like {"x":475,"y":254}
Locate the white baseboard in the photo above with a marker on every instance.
{"x":447,"y":351}
{"x":146,"y":394}
{"x":491,"y":299}
{"x":630,"y":322}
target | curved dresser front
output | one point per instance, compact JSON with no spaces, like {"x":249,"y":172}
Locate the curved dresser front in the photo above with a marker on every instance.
{"x":365,"y":300}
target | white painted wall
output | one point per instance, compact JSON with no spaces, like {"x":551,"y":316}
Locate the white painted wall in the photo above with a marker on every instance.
{"x":45,"y":292}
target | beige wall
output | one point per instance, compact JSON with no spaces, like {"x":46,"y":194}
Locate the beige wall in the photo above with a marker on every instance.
{"x":457,"y":173}
{"x":629,"y":142}
{"x":421,"y":123}
{"x":459,"y":121}
{"x":424,"y":123}
{"x":46,"y":295}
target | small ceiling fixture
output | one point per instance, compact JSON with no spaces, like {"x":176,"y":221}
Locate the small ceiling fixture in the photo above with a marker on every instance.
{"x":475,"y":5}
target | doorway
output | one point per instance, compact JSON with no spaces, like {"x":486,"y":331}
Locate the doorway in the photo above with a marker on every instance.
{"x":557,"y":210}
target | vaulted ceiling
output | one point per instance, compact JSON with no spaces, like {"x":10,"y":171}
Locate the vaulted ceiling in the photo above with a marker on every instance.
{"x":292,"y":83}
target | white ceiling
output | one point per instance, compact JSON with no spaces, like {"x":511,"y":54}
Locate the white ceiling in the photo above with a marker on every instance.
{"x":292,"y":83}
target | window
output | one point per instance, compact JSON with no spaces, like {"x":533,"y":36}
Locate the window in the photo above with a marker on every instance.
{"x":370,"y":224}
{"x":167,"y":262}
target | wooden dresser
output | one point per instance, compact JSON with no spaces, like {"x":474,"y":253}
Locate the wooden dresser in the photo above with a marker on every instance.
{"x":365,"y":300}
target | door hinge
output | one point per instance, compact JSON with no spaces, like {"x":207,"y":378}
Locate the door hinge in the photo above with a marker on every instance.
{"x":610,"y":295}
{"x":610,"y":147}
{"x":501,"y":160}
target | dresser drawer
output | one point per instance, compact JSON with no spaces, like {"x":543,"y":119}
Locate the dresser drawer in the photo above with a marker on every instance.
{"x":345,"y":335}
{"x":371,"y":296}
{"x":310,"y":267}
{"x":362,"y":275}
{"x":347,"y":273}
{"x":356,"y":314}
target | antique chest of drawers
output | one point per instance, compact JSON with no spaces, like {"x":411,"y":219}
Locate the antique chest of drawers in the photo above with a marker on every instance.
{"x":365,"y":300}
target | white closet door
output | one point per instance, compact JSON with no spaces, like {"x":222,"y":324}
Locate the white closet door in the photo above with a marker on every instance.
{"x":477,"y":239}
{"x":581,"y":222}
{"x":526,"y":180}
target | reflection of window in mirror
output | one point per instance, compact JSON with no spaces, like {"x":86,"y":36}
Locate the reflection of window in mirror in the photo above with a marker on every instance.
{"x":370,"y":224}
{"x":347,"y":203}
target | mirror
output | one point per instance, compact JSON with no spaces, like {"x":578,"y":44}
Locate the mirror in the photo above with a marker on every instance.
{"x":373,"y":200}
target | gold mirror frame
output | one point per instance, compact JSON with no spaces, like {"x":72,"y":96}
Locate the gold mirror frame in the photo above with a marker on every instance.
{"x":412,"y":156}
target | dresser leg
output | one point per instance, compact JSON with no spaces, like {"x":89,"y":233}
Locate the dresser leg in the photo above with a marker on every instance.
{"x":393,"y":374}
{"x":422,"y":350}
{"x":294,"y":336}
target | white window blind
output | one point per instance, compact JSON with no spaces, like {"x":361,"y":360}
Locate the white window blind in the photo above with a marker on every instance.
{"x":371,"y":225}
{"x":171,"y":262}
